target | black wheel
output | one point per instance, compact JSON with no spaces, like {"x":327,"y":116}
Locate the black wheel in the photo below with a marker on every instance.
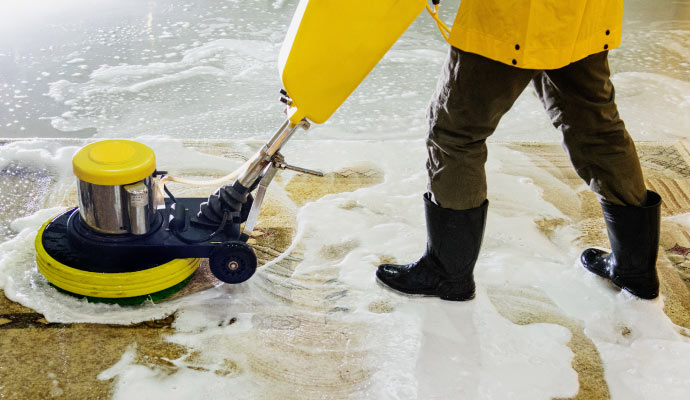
{"x":233,"y":262}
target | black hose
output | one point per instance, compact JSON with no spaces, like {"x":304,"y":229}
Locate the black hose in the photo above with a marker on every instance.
{"x":227,"y":198}
{"x":167,"y":191}
{"x":226,"y":216}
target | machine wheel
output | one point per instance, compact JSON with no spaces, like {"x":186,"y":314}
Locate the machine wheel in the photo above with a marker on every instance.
{"x":233,"y":262}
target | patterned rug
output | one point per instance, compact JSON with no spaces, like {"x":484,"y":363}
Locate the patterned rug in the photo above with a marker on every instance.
{"x":68,"y":349}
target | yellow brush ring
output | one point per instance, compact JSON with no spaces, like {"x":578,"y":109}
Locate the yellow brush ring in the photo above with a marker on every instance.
{"x":112,"y":285}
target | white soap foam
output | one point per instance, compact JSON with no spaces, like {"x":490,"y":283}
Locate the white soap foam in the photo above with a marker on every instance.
{"x":141,"y":97}
{"x":387,"y":221}
{"x":27,"y":286}
{"x":421,"y":348}
{"x":683,"y":219}
{"x":654,"y":107}
{"x":647,"y":369}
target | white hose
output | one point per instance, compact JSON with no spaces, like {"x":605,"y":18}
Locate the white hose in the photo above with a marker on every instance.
{"x":213,"y":182}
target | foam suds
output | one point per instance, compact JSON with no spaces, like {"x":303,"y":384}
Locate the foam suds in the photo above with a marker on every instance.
{"x":327,"y":327}
{"x":28,"y":287}
{"x":137,"y":96}
{"x":313,"y":322}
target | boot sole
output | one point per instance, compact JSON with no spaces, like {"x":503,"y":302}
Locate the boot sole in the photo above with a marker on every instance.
{"x":420,"y":295}
{"x":385,"y":285}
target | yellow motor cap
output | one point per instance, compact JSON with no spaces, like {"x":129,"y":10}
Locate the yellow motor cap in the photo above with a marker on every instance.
{"x":114,"y":162}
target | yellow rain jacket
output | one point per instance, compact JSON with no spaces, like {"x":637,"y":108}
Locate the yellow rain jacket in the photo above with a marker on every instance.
{"x":537,"y":34}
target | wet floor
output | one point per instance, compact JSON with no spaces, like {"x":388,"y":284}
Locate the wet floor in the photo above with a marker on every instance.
{"x":197,"y":82}
{"x":207,"y":69}
{"x":302,"y":329}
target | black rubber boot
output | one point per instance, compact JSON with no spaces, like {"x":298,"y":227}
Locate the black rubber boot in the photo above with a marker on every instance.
{"x":634,"y":237}
{"x":445,"y":269}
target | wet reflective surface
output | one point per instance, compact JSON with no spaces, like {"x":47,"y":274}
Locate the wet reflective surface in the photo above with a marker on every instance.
{"x":207,"y":69}
{"x":313,"y":323}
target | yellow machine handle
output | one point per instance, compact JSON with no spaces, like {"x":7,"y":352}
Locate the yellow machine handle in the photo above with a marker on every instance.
{"x":331,"y":46}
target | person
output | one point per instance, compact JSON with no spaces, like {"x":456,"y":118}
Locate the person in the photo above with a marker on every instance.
{"x":497,"y":49}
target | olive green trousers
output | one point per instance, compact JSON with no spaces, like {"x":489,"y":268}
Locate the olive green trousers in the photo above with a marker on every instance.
{"x":473,"y":94}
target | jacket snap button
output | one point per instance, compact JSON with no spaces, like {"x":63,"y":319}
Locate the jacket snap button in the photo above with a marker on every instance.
{"x":517,"y":47}
{"x":608,"y":32}
{"x":514,"y":62}
{"x":606,"y":46}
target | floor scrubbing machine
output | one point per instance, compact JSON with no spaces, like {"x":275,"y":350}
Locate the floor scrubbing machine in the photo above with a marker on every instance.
{"x":127,"y":242}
